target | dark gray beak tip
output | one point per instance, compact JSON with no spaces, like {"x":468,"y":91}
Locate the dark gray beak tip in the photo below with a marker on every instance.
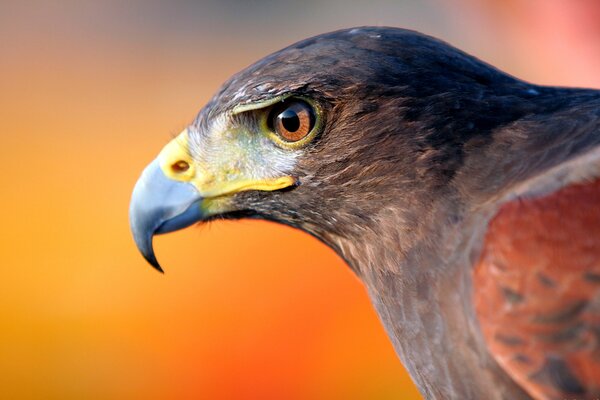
{"x":154,"y":262}
{"x":143,"y":239}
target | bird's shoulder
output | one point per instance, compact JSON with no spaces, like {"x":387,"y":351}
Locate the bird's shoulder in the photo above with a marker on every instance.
{"x":537,"y":290}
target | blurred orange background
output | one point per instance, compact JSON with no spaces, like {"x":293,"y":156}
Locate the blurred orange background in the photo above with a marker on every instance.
{"x":89,"y":93}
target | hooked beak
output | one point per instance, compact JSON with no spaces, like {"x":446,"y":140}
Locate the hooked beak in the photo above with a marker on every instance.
{"x":174,"y":192}
{"x":161,"y":205}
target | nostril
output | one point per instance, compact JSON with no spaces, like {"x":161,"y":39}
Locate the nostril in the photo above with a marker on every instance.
{"x":180,"y":166}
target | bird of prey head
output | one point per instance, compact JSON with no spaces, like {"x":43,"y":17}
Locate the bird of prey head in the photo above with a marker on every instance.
{"x":396,"y":150}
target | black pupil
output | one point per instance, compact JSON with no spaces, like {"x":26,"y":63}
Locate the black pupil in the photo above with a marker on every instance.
{"x":289,"y":119}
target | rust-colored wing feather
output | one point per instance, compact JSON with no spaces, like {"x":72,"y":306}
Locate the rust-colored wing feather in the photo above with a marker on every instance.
{"x":537,"y":292}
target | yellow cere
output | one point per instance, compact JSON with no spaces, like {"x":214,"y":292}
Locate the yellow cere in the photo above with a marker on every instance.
{"x":175,"y":153}
{"x":176,"y":163}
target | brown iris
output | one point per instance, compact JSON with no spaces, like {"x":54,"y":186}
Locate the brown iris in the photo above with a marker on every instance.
{"x":293,"y":120}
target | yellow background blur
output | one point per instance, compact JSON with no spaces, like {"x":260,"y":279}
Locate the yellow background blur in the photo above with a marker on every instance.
{"x":89,"y":93}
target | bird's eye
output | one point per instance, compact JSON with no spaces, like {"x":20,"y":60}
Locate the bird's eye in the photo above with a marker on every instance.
{"x":292,"y":121}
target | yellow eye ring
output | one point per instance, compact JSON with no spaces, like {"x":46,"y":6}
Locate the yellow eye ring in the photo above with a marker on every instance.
{"x":293,"y":122}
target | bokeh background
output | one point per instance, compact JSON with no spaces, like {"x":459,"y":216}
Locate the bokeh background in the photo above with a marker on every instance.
{"x":89,"y":93}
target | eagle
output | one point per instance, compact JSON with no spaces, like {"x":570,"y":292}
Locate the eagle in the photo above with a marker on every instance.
{"x":466,"y":200}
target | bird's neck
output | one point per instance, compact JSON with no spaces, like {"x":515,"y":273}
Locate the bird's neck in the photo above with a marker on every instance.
{"x":420,"y":279}
{"x":424,"y":302}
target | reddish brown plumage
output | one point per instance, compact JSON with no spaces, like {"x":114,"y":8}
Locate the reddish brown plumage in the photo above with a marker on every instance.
{"x":537,"y":292}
